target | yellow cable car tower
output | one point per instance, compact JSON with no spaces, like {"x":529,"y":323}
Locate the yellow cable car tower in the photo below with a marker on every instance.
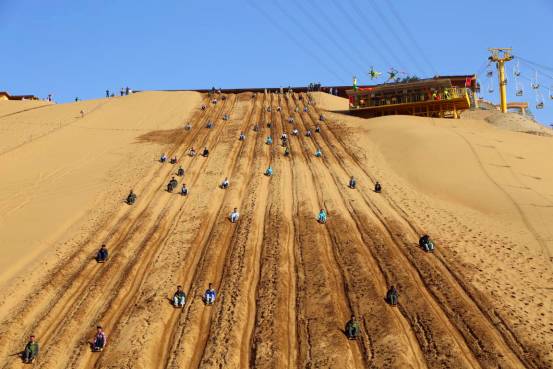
{"x":500,"y":56}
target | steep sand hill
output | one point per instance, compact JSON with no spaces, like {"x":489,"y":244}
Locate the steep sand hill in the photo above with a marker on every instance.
{"x":286,"y":284}
{"x":57,"y":166}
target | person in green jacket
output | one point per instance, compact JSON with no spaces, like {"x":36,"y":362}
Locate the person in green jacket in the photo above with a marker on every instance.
{"x":352,"y":328}
{"x":31,"y":350}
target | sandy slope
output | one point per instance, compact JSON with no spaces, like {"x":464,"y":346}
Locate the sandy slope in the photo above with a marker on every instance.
{"x":286,"y":284}
{"x":11,"y":107}
{"x":330,"y":102}
{"x":55,"y":165}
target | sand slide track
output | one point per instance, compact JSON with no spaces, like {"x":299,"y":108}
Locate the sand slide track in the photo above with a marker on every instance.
{"x":485,"y":308}
{"x":286,"y":284}
{"x":233,"y":268}
{"x":272,"y":336}
{"x":323,"y":303}
{"x":215,"y":136}
{"x":345,"y":238}
{"x":369,"y":300}
{"x":126,"y":231}
{"x":205,"y":259}
{"x":471,"y":330}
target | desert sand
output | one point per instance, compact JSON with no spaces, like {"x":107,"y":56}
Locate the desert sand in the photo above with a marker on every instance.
{"x":286,"y":284}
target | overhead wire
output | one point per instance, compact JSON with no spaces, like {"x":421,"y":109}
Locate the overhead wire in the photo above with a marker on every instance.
{"x":290,"y":36}
{"x":410,"y":34}
{"x":351,"y":56}
{"x":373,"y":31}
{"x":391,"y":29}
{"x":531,"y":80}
{"x":361,"y":33}
{"x":313,"y":39}
{"x":536,"y":67}
{"x":346,"y":39}
{"x":535,"y":64}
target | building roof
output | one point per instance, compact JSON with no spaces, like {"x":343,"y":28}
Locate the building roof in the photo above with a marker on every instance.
{"x":18,"y":97}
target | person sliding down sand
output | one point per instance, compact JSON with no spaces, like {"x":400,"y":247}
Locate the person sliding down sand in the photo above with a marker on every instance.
{"x":209,"y":295}
{"x":242,"y":136}
{"x":234,"y":215}
{"x":205,"y":153}
{"x":269,"y":140}
{"x":352,"y":183}
{"x":192,"y":152}
{"x":352,"y":328}
{"x":225,"y":184}
{"x":163,"y":158}
{"x":318,"y":153}
{"x":322,"y":216}
{"x":180,"y":171}
{"x":179,"y":298}
{"x":184,"y":190}
{"x":31,"y":350}
{"x":269,"y":171}
{"x":131,"y":198}
{"x":172,"y":184}
{"x":392,"y":296}
{"x":426,"y":243}
{"x":102,"y":254}
{"x":100,"y":340}
{"x":377,"y":187}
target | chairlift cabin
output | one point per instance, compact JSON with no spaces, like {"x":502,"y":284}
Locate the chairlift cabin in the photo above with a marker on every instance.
{"x":490,"y":86}
{"x":539,"y":100}
{"x":536,"y":81}
{"x":516,"y":69}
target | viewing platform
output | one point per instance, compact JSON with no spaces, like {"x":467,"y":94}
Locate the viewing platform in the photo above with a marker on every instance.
{"x":436,"y":97}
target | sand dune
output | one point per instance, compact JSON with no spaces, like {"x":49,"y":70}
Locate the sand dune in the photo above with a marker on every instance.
{"x":10,"y":107}
{"x":286,"y":284}
{"x":57,"y":165}
{"x":330,"y":102}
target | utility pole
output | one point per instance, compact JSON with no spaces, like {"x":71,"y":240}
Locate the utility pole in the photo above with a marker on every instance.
{"x":500,"y":56}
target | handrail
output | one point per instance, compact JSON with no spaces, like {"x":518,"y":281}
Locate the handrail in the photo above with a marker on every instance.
{"x":443,"y":94}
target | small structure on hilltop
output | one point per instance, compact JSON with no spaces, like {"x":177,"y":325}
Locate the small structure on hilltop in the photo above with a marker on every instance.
{"x":519,"y":107}
{"x":6,"y":96}
{"x":441,"y":97}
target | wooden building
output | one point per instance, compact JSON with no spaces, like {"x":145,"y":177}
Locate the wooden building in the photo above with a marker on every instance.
{"x":441,"y":97}
{"x":6,"y":96}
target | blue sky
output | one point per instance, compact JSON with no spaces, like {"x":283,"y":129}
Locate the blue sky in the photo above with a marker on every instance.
{"x":81,"y":48}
